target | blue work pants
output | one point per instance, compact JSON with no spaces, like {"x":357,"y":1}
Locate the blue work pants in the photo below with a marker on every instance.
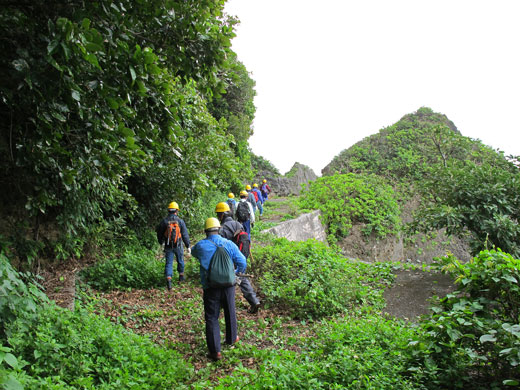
{"x":179,"y":255}
{"x":259,"y":205}
{"x":247,"y":227}
{"x":214,"y":299}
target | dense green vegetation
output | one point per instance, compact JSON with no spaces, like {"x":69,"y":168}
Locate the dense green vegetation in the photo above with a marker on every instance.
{"x":260,"y":164}
{"x":463,"y":185}
{"x":111,"y":109}
{"x":472,"y":338}
{"x":309,"y":279}
{"x":348,"y":199}
{"x":482,"y":199}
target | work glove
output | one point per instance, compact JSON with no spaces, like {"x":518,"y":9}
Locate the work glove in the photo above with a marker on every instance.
{"x":189,"y":251}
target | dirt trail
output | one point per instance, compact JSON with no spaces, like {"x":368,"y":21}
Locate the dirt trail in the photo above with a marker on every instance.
{"x":407,"y":298}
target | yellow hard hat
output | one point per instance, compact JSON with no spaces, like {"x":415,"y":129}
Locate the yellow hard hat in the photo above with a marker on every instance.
{"x":222,"y":207}
{"x":173,"y":205}
{"x":255,"y":185}
{"x":211,"y":224}
{"x":231,"y":195}
{"x":264,"y":181}
{"x":243,"y":193}
{"x":248,"y":187}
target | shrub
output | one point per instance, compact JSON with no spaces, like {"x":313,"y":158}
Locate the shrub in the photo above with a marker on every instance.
{"x":17,"y":298}
{"x":82,"y":350}
{"x":133,"y":267}
{"x":473,"y":336}
{"x":343,"y":353}
{"x":310,"y":279}
{"x":348,"y":199}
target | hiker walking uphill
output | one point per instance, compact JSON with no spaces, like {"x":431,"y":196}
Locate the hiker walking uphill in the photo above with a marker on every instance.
{"x":245,"y":213}
{"x":172,"y":232}
{"x":260,"y":199}
{"x":251,"y":198}
{"x":234,"y":231}
{"x":232,"y":203}
{"x":218,"y":257}
{"x":265,"y":189}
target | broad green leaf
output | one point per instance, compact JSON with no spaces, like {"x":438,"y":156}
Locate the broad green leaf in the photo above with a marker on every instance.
{"x":90,"y":57}
{"x":487,"y":338}
{"x":85,"y":23}
{"x":132,"y":73}
{"x":510,"y":278}
{"x":12,"y":384}
{"x":11,"y":360}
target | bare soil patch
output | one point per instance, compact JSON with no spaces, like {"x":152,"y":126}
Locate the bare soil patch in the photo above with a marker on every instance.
{"x":409,"y":296}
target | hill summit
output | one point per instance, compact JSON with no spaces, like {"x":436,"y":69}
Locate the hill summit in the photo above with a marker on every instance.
{"x":415,"y":139}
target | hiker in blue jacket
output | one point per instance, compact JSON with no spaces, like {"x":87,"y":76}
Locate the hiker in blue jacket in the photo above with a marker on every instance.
{"x":217,"y":297}
{"x":232,"y":230}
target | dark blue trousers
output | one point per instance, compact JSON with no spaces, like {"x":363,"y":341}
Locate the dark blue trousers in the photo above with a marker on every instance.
{"x":168,"y":255}
{"x":247,"y":227}
{"x":214,"y":299}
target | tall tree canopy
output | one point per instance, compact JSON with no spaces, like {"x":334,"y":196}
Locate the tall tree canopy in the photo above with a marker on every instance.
{"x":104,"y":113}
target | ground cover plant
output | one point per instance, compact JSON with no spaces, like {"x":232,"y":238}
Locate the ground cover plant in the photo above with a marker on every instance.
{"x":472,"y":338}
{"x":126,"y":266}
{"x":350,"y":198}
{"x":45,"y":346}
{"x":309,"y":279}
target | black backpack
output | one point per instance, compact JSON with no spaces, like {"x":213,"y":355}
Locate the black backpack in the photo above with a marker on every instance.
{"x":243,"y":242}
{"x":232,"y":206}
{"x":243,"y":212}
{"x":221,"y":272}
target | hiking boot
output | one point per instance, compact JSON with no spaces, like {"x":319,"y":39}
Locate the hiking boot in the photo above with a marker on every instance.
{"x":181,"y":278}
{"x":254,"y":308}
{"x":169,"y":283}
{"x":215,"y":356}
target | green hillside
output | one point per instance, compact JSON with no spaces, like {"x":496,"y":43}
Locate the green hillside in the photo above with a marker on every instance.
{"x":408,"y":148}
{"x":461,"y":184}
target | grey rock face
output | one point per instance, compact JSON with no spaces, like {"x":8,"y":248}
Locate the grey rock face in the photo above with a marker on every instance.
{"x":304,"y":227}
{"x":290,"y":183}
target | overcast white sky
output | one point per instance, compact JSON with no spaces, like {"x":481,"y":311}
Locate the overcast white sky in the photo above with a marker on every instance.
{"x":331,"y":72}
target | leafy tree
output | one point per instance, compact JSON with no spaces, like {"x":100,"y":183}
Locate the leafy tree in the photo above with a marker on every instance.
{"x":236,"y":106}
{"x":104,"y":117}
{"x":481,"y":199}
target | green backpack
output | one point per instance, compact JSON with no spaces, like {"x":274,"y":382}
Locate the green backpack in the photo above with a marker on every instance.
{"x":221,"y":272}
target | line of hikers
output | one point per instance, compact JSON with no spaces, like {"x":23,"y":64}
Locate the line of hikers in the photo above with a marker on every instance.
{"x":223,"y":258}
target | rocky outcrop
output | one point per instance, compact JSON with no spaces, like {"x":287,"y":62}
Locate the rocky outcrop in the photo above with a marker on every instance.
{"x":291,"y":182}
{"x":421,"y":249}
{"x":304,"y":227}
